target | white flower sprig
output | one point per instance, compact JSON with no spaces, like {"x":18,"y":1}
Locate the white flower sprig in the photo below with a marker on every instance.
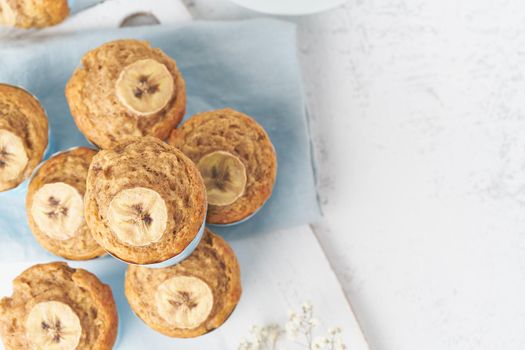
{"x":299,"y":330}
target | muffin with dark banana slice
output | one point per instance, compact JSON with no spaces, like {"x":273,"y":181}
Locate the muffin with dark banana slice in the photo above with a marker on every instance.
{"x":23,"y":135}
{"x":236,"y":159}
{"x":145,"y":200}
{"x":126,"y":88}
{"x":55,"y":206}
{"x":55,"y":307}
{"x":191,"y":298}
{"x":32,"y":14}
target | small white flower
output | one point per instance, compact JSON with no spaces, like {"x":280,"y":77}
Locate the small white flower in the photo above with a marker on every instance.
{"x":291,"y":326}
{"x":307,"y":307}
{"x":273,"y":332}
{"x":264,"y":332}
{"x":319,"y":343}
{"x":339,"y":344}
{"x":244,"y":345}
{"x":294,"y":318}
{"x":334,"y":330}
{"x":292,"y":330}
{"x":314,"y":322}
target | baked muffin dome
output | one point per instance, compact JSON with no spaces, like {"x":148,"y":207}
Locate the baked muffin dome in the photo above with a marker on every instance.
{"x":33,"y":14}
{"x":126,"y":88}
{"x":23,"y":135}
{"x":191,"y":298}
{"x":54,"y":306}
{"x":55,"y":205}
{"x":145,"y":200}
{"x":223,"y":143}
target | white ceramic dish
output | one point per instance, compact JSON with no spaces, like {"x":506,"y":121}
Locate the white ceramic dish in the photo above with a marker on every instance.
{"x":289,"y":7}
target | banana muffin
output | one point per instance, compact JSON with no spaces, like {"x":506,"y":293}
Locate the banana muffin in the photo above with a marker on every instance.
{"x":191,"y":298}
{"x":32,"y":14}
{"x":23,"y":135}
{"x":126,"y":88}
{"x":55,"y":307}
{"x":236,"y":159}
{"x":145,"y":200}
{"x":55,"y":205}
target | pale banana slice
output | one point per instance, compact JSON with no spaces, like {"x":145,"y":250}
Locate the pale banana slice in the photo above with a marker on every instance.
{"x":184,"y":301}
{"x":145,"y":87}
{"x":224,"y":176}
{"x":138,"y":216}
{"x":58,"y":210}
{"x":13,"y":156}
{"x":7,"y":15}
{"x":52,"y":325}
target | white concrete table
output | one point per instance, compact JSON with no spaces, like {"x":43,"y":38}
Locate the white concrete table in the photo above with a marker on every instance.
{"x":419,"y":121}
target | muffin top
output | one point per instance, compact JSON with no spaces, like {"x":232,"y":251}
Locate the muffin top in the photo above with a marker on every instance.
{"x":23,"y":135}
{"x":145,"y":200}
{"x":55,"y":205}
{"x":57,"y":307}
{"x":126,"y":88}
{"x":191,"y":298}
{"x":236,"y":159}
{"x":32,"y":14}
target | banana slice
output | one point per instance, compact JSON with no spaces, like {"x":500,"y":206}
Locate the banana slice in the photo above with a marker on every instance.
{"x":58,"y":210}
{"x":52,"y":325}
{"x":7,"y":15}
{"x":145,"y":87}
{"x":224,"y":176}
{"x":184,"y":301}
{"x":13,"y":156}
{"x":138,"y":216}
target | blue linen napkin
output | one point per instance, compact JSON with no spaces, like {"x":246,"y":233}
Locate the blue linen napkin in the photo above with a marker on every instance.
{"x":76,"y":6}
{"x":247,"y":65}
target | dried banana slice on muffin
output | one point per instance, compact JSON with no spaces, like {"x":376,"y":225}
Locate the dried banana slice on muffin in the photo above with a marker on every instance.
{"x":145,"y":87}
{"x":23,"y":135}
{"x":224,"y":176}
{"x":236,"y":159}
{"x":53,"y":325}
{"x":55,"y":205}
{"x":191,"y":298}
{"x":32,"y":14}
{"x":126,"y":88}
{"x":145,"y":200}
{"x":55,"y":307}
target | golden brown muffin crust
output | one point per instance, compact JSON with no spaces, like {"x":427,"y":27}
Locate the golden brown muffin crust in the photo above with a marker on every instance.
{"x":35,"y":13}
{"x":240,"y":135}
{"x":69,"y":167}
{"x":95,"y":107}
{"x":90,"y":299}
{"x":213,"y":261}
{"x":150,"y":163}
{"x":22,"y":114}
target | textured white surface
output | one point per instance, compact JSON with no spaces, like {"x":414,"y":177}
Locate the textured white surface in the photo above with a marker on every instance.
{"x":289,"y":7}
{"x":420,"y":132}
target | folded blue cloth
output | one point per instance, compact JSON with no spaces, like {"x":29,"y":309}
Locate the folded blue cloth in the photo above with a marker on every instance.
{"x":248,"y":65}
{"x":76,"y":6}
